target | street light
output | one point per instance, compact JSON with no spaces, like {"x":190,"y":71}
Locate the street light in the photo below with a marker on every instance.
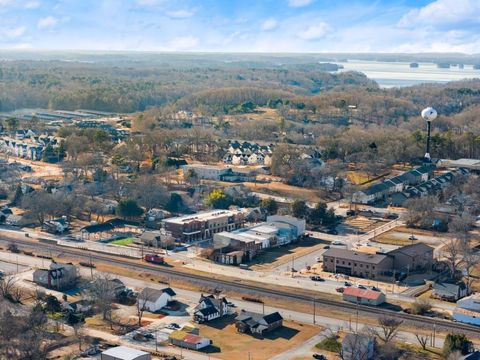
{"x":429,"y":114}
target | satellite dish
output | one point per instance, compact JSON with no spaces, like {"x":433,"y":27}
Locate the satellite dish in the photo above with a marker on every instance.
{"x":429,"y":114}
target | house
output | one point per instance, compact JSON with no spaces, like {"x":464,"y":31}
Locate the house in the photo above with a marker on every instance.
{"x":56,"y":226}
{"x":363,"y":296}
{"x":203,"y":225}
{"x":254,"y":323}
{"x":356,"y":263}
{"x":188,"y":340}
{"x":358,"y":347}
{"x":154,"y":300}
{"x":412,"y":257}
{"x":81,"y":306}
{"x":58,"y":276}
{"x":468,"y":310}
{"x":124,"y":353}
{"x":449,"y":291}
{"x":211,"y":307}
{"x":248,"y":153}
{"x":160,"y":239}
{"x":393,"y":185}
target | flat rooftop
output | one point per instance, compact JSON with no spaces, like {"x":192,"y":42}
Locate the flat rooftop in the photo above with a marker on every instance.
{"x":203,"y":216}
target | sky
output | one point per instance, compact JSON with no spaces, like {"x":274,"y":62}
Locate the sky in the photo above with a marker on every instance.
{"x":242,"y":25}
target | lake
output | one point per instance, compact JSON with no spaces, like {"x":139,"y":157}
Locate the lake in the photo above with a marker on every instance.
{"x":399,"y":74}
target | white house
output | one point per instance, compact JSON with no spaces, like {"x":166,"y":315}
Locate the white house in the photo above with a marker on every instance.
{"x":211,"y":307}
{"x":154,"y":299}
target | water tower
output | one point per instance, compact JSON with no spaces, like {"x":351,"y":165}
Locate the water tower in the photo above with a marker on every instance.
{"x":429,"y":114}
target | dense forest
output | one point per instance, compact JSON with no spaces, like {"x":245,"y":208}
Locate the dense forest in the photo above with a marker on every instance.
{"x":136,"y":86}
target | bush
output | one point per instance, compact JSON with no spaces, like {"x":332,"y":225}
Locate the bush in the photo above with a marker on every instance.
{"x":421,"y":306}
{"x":330,"y":343}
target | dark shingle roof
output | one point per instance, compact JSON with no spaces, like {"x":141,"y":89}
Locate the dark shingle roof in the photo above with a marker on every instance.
{"x":273,"y":317}
{"x":208,"y":311}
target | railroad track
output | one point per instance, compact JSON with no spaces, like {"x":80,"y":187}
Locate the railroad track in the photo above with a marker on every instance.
{"x":256,"y":289}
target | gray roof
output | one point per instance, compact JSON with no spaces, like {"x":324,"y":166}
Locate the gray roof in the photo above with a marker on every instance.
{"x":355,"y":255}
{"x":152,"y":295}
{"x":413,"y":250}
{"x":124,"y":353}
{"x":448,"y":288}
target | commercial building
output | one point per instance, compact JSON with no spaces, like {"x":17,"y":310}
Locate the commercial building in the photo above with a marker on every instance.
{"x":242,"y":245}
{"x":203,"y":225}
{"x":356,"y":263}
{"x":406,"y":259}
{"x":412,"y":257}
{"x":124,"y":353}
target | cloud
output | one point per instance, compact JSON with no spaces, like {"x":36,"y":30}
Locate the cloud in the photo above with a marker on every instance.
{"x":443,"y":12}
{"x":180,"y":14}
{"x":269,"y":24}
{"x":299,"y":3}
{"x":183,"y":43}
{"x":148,"y":2}
{"x":32,"y":5}
{"x":314,"y":32}
{"x":47,"y":22}
{"x":15,"y":32}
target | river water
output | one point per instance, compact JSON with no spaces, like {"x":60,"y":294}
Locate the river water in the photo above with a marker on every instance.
{"x":398,"y":74}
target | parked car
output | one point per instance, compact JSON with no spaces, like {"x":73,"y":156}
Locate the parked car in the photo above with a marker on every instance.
{"x":412,"y":237}
{"x":340,"y":289}
{"x":319,"y":356}
{"x":326,"y":247}
{"x":316,"y":278}
{"x":347,"y":283}
{"x":332,"y":231}
{"x":350,"y":212}
{"x":362,"y":287}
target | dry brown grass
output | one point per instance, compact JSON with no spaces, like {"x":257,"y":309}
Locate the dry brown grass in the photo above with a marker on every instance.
{"x":235,"y":345}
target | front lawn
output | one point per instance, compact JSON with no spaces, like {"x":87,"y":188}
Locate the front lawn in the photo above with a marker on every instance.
{"x":124,"y":242}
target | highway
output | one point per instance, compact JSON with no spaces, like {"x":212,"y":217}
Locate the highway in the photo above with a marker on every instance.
{"x":252,"y":289}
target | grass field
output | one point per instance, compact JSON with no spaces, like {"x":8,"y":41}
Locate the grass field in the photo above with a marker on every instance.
{"x":124,"y":242}
{"x":234,"y":345}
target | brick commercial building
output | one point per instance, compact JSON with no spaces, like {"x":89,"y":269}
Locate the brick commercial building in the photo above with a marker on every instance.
{"x":202,"y":226}
{"x":406,"y":259}
{"x":412,"y":257}
{"x":356,"y":263}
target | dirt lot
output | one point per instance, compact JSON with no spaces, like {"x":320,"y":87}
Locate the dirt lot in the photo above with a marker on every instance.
{"x":279,"y":256}
{"x":289,"y":191}
{"x":234,"y":345}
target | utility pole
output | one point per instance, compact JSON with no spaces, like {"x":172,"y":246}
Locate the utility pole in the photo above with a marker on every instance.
{"x":293,"y":264}
{"x":91,"y":266}
{"x":263,"y":308}
{"x":314,"y":310}
{"x":356,"y":323}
